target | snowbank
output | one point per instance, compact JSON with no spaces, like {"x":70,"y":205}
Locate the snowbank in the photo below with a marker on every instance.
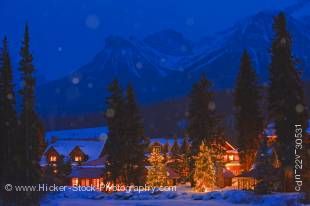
{"x":228,"y":196}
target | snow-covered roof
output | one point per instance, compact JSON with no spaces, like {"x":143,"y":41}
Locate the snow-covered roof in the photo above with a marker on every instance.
{"x":163,"y":141}
{"x":92,"y":148}
{"x":78,"y":134}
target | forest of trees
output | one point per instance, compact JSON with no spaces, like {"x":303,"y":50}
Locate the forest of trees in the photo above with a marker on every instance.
{"x":21,"y":132}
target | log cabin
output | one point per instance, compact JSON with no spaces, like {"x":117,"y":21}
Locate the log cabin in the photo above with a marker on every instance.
{"x":82,"y":148}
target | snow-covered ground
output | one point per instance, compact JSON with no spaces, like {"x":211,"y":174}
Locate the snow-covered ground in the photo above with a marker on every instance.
{"x":180,"y":198}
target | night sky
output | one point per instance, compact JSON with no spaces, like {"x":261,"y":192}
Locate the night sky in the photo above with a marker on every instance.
{"x":66,"y":34}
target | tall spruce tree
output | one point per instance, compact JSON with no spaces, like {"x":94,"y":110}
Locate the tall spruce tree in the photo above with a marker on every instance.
{"x":185,"y":147}
{"x":8,"y":121}
{"x":286,"y":97}
{"x":135,"y":144}
{"x":186,"y":157}
{"x":116,"y":124}
{"x":30,"y":137}
{"x":249,"y":121}
{"x":203,"y":120}
{"x":175,"y":149}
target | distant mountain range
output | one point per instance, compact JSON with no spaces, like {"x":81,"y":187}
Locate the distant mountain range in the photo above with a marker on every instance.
{"x":165,"y":64}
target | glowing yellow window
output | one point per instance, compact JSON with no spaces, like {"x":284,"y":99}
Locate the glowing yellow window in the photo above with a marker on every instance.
{"x":156,"y":149}
{"x":77,"y":158}
{"x":53,"y":158}
{"x":231,"y":157}
{"x":75,"y":181}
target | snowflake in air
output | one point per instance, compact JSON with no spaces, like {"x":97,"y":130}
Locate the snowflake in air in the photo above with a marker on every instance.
{"x":92,"y":21}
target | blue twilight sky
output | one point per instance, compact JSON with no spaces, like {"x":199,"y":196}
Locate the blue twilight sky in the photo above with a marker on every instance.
{"x":66,"y":34}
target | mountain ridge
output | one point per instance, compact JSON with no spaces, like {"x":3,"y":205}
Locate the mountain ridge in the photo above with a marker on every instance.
{"x":158,"y":74}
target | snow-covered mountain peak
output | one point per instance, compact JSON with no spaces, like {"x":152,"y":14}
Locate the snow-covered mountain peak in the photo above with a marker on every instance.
{"x":169,"y":42}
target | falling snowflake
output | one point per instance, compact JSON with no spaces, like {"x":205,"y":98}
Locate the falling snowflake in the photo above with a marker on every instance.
{"x":60,"y":49}
{"x":299,"y":108}
{"x":186,"y":114}
{"x":190,"y":21}
{"x":9,"y":96}
{"x":211,"y":106}
{"x":139,"y":65}
{"x":283,"y":41}
{"x":92,"y":21}
{"x":75,"y":80}
{"x":90,"y":85}
{"x":163,"y":60}
{"x":57,"y":90}
{"x":184,"y":48}
{"x":123,"y":52}
{"x":110,"y":113}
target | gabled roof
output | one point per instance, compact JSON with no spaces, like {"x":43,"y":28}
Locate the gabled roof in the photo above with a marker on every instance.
{"x":77,"y":134}
{"x":92,"y":148}
{"x":51,"y":149}
{"x":228,"y":146}
{"x":77,"y":148}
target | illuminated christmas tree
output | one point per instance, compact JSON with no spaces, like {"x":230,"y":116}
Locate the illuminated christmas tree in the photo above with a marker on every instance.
{"x":157,"y":173}
{"x":204,"y":172}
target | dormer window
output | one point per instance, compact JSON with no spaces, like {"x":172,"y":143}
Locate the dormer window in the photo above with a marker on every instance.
{"x":53,"y":158}
{"x":77,"y":158}
{"x":77,"y":155}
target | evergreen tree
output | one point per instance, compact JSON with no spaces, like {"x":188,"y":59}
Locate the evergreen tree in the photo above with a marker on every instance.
{"x":165,"y":150}
{"x":116,"y":124}
{"x":203,"y":121}
{"x":204,"y":172}
{"x":135,"y":142}
{"x":157,"y":173}
{"x":175,"y":158}
{"x":248,"y":115}
{"x":175,"y":149}
{"x":29,"y":148}
{"x":286,"y":97}
{"x":265,"y":168}
{"x":186,"y":157}
{"x":185,"y":147}
{"x":2,"y":139}
{"x":8,"y":120}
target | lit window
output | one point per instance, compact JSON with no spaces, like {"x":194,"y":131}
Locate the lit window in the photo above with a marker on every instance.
{"x":156,"y":149}
{"x":53,"y":158}
{"x":77,"y":158}
{"x":55,"y":171}
{"x":231,"y":157}
{"x":75,"y":181}
{"x":225,"y":157}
